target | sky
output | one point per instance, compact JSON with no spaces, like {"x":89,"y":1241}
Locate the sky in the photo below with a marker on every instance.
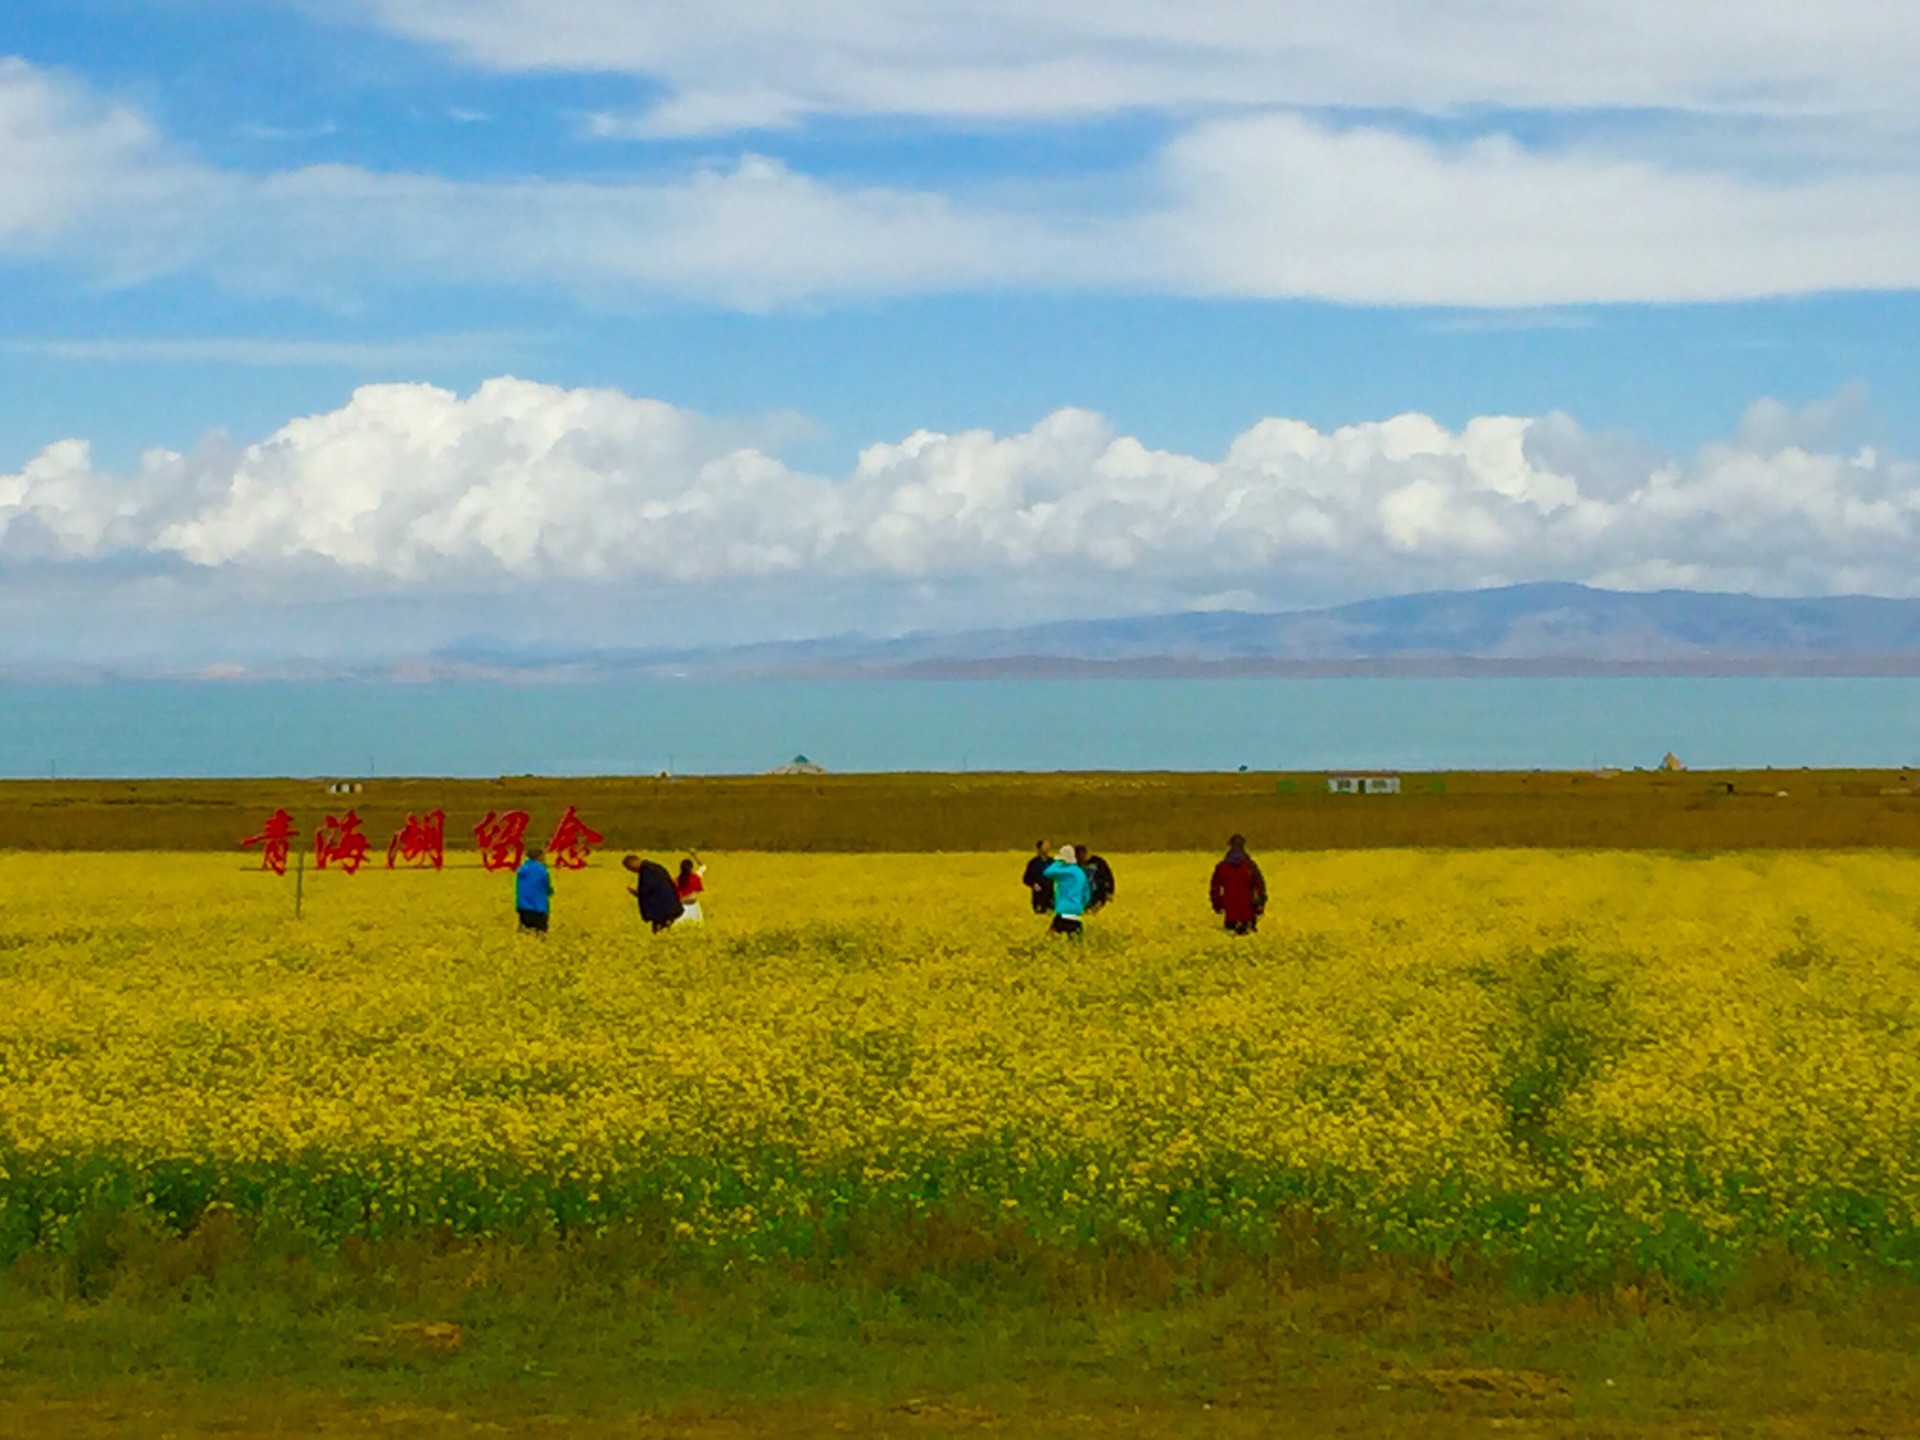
{"x":358,"y":328}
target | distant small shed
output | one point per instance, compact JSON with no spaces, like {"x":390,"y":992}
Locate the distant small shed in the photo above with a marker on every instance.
{"x":1363,"y":784}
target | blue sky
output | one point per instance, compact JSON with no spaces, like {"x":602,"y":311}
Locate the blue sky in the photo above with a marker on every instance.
{"x":794,"y":233}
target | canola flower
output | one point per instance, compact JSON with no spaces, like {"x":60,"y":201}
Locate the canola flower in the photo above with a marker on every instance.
{"x":1577,"y":1065}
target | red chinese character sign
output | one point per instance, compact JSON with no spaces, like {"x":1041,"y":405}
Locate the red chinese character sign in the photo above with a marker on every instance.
{"x":275,"y":840}
{"x":503,"y":839}
{"x":421,"y":842}
{"x":339,"y":842}
{"x":572,"y":842}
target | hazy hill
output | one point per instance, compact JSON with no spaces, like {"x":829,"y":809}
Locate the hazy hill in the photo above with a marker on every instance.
{"x":1545,"y":628}
{"x":1531,"y":627}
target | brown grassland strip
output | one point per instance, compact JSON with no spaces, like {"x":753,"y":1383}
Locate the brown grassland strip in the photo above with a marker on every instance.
{"x":1687,"y":811}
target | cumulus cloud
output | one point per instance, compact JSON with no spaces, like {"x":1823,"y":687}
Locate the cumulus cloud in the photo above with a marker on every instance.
{"x":1269,"y":205}
{"x":728,"y":64}
{"x":409,"y":489}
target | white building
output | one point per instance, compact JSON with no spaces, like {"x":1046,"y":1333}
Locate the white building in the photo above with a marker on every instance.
{"x":1363,"y":784}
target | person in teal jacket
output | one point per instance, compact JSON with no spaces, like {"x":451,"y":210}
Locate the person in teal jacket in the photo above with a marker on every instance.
{"x":1072,"y":891}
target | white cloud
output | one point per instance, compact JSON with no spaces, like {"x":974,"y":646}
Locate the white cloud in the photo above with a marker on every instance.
{"x":734,"y":63}
{"x":1273,"y":205}
{"x":65,"y":157}
{"x":753,"y":233}
{"x":1267,"y":205}
{"x":409,"y":489}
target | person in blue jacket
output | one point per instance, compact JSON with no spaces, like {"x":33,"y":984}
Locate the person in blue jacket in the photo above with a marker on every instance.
{"x":533,"y":892}
{"x":1072,"y":892}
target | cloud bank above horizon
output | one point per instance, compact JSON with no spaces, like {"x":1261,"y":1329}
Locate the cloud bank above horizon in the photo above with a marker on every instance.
{"x":411,"y":495}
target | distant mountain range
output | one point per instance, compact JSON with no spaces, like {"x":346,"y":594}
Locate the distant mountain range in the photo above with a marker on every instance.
{"x":1518,"y":629}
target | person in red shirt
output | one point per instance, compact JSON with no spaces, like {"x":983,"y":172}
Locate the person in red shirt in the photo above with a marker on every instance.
{"x":690,"y":886}
{"x":1239,"y":889}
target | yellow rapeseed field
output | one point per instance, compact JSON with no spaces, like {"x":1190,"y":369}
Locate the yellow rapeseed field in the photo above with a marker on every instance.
{"x":1567,"y":1064}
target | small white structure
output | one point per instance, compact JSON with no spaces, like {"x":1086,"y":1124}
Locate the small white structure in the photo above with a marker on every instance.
{"x":799,"y":765}
{"x":1363,"y":784}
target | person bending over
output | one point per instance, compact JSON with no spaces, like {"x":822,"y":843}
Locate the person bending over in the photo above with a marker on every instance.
{"x":653,"y":887}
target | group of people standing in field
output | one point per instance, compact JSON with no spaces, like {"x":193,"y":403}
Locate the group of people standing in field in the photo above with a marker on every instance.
{"x":1071,"y":883}
{"x":665,"y":900}
{"x":1068,"y":884}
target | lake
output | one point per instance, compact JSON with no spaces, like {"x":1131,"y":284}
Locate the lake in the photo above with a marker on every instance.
{"x":126,"y":729}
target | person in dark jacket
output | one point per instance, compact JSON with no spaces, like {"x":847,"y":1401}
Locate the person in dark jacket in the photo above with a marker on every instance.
{"x":1034,"y":877}
{"x":1239,"y":890}
{"x":653,"y":887}
{"x":1099,"y":877}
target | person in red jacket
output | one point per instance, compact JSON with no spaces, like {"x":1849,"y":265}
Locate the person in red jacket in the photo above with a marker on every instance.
{"x":1239,"y":889}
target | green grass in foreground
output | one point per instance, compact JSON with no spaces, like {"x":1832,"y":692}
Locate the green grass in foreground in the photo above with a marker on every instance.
{"x":215,"y":1332}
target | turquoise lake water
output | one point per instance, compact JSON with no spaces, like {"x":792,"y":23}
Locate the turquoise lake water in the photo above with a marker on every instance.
{"x":622,"y":727}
